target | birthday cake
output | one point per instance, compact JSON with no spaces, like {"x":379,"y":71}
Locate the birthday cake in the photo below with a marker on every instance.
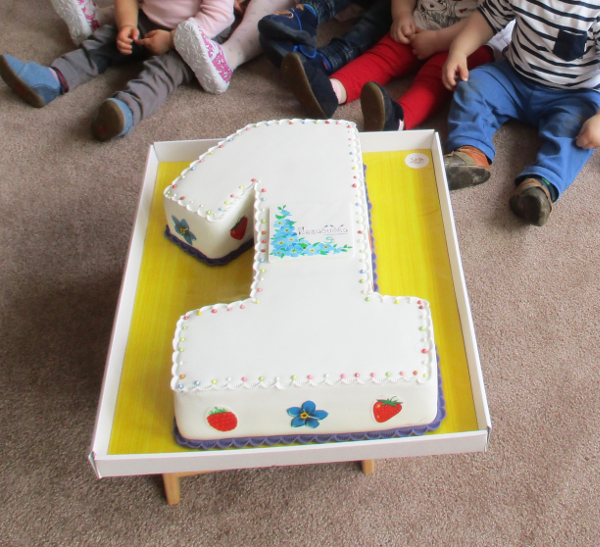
{"x":315,"y":353}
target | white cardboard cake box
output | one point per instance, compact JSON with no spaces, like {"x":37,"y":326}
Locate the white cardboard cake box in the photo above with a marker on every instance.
{"x":110,"y":465}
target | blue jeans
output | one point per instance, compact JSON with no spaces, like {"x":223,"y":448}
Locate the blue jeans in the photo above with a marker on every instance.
{"x":363,"y":35}
{"x":496,"y":93}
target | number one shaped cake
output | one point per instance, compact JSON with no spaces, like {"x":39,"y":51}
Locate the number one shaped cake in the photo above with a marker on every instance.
{"x":314,"y":354}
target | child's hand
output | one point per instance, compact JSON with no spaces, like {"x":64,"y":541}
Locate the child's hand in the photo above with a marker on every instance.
{"x":589,"y":136}
{"x":126,"y":36}
{"x":239,"y":7}
{"x":424,"y":43}
{"x":455,"y":66}
{"x":402,"y":28}
{"x":157,"y":41}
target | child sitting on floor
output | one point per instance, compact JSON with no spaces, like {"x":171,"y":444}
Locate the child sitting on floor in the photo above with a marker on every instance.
{"x":550,"y":79}
{"x":144,"y":32}
{"x":213,"y":61}
{"x":419,"y":39}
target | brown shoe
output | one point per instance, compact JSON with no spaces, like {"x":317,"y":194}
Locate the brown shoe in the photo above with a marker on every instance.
{"x":466,"y":166}
{"x":532,"y":202}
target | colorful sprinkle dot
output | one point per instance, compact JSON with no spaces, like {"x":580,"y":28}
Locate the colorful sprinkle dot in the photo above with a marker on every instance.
{"x":182,"y":376}
{"x":244,"y":379}
{"x":424,"y":350}
{"x":214,"y":311}
{"x":213,"y":382}
{"x":357,"y":375}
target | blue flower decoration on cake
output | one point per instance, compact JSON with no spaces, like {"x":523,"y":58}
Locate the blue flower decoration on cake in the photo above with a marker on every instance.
{"x":285,"y":240}
{"x":183,"y":229}
{"x":307,"y":415}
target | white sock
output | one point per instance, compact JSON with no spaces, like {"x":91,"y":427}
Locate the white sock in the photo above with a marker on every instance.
{"x":339,"y":90}
{"x":243,"y":43}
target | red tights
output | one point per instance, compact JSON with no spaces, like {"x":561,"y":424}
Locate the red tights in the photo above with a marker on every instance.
{"x":388,"y":59}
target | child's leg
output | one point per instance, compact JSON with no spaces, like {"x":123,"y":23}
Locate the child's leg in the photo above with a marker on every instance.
{"x":142,"y":96}
{"x":490,"y":97}
{"x":384,"y":61}
{"x":93,"y":57}
{"x":559,"y":120}
{"x":321,"y":95}
{"x":212,"y":63}
{"x":39,"y":85}
{"x":295,"y":30}
{"x":559,"y":116}
{"x":243,"y":44}
{"x":427,"y":93}
{"x":367,"y":31}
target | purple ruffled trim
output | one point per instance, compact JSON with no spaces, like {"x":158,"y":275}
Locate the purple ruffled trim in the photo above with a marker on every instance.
{"x":202,"y":257}
{"x":241,"y":442}
{"x":373,"y":255}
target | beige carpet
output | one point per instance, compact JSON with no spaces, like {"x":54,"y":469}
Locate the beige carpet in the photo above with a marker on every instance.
{"x":67,"y":206}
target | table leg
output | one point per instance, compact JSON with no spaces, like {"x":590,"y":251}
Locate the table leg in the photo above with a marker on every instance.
{"x":368,"y":466}
{"x":172,"y":488}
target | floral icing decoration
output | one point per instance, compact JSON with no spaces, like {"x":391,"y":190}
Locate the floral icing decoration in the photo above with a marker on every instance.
{"x":183,"y":229}
{"x":286,"y":242}
{"x":307,"y":415}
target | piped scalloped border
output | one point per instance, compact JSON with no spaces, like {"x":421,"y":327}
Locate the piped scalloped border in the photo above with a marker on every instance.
{"x":202,"y":257}
{"x":273,"y":440}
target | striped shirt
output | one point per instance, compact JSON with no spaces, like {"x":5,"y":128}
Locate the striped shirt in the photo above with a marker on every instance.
{"x":554,"y":42}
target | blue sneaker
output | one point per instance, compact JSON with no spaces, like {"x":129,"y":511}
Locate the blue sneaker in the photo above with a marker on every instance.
{"x":297,"y":25}
{"x":276,"y":50}
{"x":36,"y":84}
{"x":114,"y":119}
{"x":310,"y":83}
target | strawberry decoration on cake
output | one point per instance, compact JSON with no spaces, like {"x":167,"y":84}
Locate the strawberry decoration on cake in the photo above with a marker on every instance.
{"x":222,"y":419}
{"x":239,"y":230}
{"x":386,"y":409}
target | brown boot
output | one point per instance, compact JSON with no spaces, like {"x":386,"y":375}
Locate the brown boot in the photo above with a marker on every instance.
{"x":532,"y":202}
{"x":466,"y":166}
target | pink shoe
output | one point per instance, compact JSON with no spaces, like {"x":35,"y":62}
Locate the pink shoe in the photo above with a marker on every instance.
{"x":204,"y":56}
{"x":79,"y":15}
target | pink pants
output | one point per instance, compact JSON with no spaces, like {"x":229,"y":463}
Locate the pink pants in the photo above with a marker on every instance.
{"x":388,"y":59}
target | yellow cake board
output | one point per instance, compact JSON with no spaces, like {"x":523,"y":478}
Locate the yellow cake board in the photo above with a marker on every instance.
{"x":412,"y":260}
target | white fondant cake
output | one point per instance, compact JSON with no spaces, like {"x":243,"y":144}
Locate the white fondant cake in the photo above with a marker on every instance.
{"x":313,"y":353}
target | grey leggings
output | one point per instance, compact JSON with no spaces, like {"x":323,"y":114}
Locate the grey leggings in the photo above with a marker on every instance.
{"x":159,"y":77}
